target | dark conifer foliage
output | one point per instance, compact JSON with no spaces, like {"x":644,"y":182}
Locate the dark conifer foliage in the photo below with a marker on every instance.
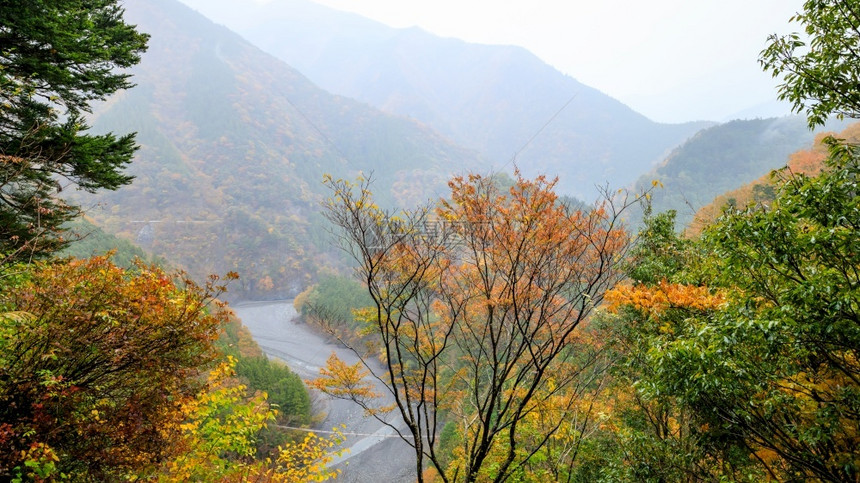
{"x":56,"y":57}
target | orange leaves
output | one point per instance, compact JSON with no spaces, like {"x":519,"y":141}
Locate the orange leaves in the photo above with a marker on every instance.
{"x":530,"y":270}
{"x":473,"y":320}
{"x":664,"y":296}
{"x":525,"y":252}
{"x":104,"y":353}
{"x":265,"y":284}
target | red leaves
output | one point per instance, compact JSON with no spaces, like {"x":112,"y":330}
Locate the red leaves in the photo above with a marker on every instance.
{"x":104,"y":361}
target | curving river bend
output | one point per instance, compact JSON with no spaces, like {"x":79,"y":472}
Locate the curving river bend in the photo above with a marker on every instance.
{"x":375,"y":453}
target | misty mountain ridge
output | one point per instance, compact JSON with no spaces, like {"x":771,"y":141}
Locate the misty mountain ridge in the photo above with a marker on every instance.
{"x":235,"y":142}
{"x":502,"y":101}
{"x":773,"y":108}
{"x":234,"y":146}
{"x":723,"y":157}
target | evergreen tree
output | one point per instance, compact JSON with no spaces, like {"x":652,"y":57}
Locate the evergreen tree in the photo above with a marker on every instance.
{"x":56,"y":57}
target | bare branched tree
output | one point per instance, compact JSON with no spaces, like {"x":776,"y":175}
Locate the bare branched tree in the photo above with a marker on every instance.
{"x":479,"y":308}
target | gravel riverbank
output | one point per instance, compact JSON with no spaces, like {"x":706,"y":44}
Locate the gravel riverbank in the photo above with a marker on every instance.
{"x":375,"y":453}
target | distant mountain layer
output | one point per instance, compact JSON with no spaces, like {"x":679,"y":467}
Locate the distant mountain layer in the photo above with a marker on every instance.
{"x":502,"y":101}
{"x":809,"y":162}
{"x":723,"y":158}
{"x":234,"y":147}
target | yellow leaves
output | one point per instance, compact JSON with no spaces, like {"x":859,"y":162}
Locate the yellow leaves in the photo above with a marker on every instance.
{"x":222,"y":371}
{"x":220,"y":440}
{"x":96,"y":416}
{"x":222,"y":421}
{"x":301,"y":299}
{"x":16,"y":316}
{"x":40,"y":459}
{"x":365,"y":314}
{"x":341,"y":380}
{"x":306,"y":460}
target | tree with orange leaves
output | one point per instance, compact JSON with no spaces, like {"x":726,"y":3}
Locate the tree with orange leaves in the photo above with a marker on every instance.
{"x":477,"y":307}
{"x":95,"y":363}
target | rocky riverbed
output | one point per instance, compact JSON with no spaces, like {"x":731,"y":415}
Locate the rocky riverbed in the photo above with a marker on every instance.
{"x":375,"y":453}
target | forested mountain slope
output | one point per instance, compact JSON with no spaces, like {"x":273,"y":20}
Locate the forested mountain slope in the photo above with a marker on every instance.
{"x":722,"y":158}
{"x":494,"y":99}
{"x":809,"y":162}
{"x":234,"y":147}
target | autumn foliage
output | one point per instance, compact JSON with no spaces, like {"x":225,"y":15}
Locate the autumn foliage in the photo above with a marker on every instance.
{"x":654,"y":300}
{"x":478,"y":309}
{"x":219,"y":435}
{"x":97,"y":363}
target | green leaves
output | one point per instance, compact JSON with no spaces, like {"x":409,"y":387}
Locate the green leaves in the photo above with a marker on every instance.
{"x":820,"y":75}
{"x":778,"y":366}
{"x":750,"y":342}
{"x":284,"y":388}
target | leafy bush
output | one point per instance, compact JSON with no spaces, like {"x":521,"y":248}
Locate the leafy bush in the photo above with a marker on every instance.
{"x":95,"y":364}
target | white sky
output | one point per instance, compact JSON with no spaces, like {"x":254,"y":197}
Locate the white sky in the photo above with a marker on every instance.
{"x":671,"y":60}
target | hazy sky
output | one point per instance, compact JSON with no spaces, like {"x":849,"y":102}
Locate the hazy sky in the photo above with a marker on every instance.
{"x":672,"y":60}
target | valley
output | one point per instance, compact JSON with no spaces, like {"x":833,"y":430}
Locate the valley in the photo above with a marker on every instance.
{"x":306,"y":244}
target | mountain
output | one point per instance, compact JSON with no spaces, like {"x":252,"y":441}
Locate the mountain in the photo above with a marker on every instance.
{"x":500,"y":100}
{"x":763,"y":110}
{"x":722,"y":158}
{"x":88,"y":240}
{"x":235,"y":144}
{"x":809,"y":162}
